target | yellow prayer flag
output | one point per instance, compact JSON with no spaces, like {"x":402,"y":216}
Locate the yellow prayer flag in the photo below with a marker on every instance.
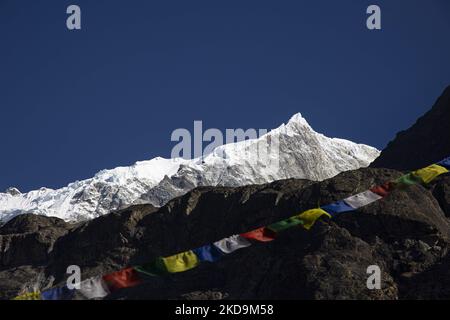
{"x":29,"y":296}
{"x":181,"y":262}
{"x":309,"y":217}
{"x":429,"y":173}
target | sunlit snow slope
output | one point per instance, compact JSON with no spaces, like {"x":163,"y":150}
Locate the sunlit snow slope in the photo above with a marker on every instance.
{"x":295,"y":151}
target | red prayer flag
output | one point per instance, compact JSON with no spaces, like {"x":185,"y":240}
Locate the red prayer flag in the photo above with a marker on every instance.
{"x":122,"y":279}
{"x":383,"y":190}
{"x":262,"y":234}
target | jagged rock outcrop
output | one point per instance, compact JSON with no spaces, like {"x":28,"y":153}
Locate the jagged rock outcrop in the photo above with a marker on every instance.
{"x":441,"y":192}
{"x":426,"y":142}
{"x":29,"y":240}
{"x":13,"y":191}
{"x":406,"y":234}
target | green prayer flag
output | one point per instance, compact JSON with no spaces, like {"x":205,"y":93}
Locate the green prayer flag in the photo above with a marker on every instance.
{"x":154,"y":268}
{"x":285,"y":224}
{"x":407,"y":180}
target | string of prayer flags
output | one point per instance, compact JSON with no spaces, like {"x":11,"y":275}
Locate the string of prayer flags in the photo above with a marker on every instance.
{"x":125,"y":278}
{"x":309,"y":217}
{"x":231,"y":244}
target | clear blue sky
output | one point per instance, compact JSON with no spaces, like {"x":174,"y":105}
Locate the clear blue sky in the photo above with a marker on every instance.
{"x":73,"y":103}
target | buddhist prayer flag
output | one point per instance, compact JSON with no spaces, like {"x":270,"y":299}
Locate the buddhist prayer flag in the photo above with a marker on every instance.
{"x":337,"y":207}
{"x":94,"y":287}
{"x":445,"y":163}
{"x":29,"y":296}
{"x":309,"y":217}
{"x":429,"y":173}
{"x":362,"y":199}
{"x":122,"y":279}
{"x":285,"y":224}
{"x":209,"y":253}
{"x":383,"y":190}
{"x":232,"y":244}
{"x":407,"y":180}
{"x":261,"y":234}
{"x":154,"y":268}
{"x":181,"y":262}
{"x":58,"y":293}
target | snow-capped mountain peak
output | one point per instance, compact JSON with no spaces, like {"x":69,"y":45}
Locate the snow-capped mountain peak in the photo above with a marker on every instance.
{"x":301,"y":153}
{"x":13,"y":191}
{"x":298,"y":120}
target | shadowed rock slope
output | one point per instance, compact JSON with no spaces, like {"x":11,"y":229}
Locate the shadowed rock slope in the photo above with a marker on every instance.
{"x":406,"y":234}
{"x":426,"y":142}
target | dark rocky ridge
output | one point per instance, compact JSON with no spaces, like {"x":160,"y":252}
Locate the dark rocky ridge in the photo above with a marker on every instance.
{"x":426,"y":142}
{"x":406,"y":234}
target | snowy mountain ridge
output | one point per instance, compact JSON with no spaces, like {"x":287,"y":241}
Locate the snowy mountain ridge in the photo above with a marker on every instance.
{"x":302,"y":153}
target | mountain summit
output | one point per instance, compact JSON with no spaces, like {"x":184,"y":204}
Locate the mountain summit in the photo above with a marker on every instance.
{"x":296,"y":151}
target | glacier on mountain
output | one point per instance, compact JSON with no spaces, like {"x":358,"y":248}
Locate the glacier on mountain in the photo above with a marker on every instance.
{"x":303,"y":153}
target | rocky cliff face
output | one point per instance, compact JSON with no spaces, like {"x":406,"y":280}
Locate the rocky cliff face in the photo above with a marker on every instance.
{"x":427,"y":141}
{"x":406,"y":234}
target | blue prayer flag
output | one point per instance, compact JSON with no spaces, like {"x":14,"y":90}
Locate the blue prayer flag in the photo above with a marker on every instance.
{"x":337,"y":207}
{"x":58,"y":293}
{"x":208,"y":253}
{"x":445,"y":163}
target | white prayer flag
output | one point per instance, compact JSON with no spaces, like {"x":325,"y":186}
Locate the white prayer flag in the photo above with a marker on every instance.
{"x":362,"y":199}
{"x":94,"y":287}
{"x":232,"y":243}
